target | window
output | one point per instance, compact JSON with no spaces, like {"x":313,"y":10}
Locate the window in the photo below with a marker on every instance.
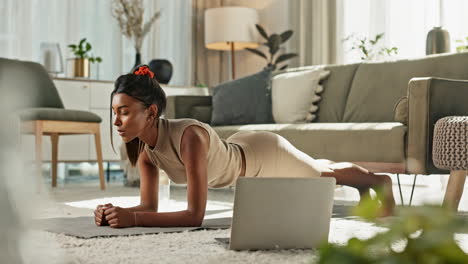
{"x":26,"y":23}
{"x":405,"y":23}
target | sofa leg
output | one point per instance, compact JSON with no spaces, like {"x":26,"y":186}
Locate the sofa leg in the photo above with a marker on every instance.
{"x":412,"y":189}
{"x":454,"y":189}
{"x":399,"y":187}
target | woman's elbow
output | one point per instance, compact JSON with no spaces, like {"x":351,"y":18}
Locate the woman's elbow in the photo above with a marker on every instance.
{"x":196,"y":218}
{"x":149,"y":207}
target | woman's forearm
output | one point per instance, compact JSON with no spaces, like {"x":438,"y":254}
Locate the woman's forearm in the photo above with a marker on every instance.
{"x":141,"y":208}
{"x":168,"y":219}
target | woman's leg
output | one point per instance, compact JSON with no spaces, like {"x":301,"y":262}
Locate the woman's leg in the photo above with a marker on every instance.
{"x":275,"y":156}
{"x":358,"y":177}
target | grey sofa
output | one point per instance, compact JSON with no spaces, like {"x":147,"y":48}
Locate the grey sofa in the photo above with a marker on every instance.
{"x":356,"y":119}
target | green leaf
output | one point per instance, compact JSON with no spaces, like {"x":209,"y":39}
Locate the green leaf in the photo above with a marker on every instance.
{"x":368,"y":208}
{"x":88,"y":46}
{"x":98,"y":59}
{"x":261,"y":31}
{"x":259,"y":53}
{"x":72,"y":46}
{"x":286,"y":35}
{"x":274,"y":43}
{"x":91,"y":60}
{"x":379,"y":36}
{"x":82,"y":41}
{"x":284,"y":57}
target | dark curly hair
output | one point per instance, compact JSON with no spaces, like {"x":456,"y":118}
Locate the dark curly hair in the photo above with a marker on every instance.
{"x":145,"y":89}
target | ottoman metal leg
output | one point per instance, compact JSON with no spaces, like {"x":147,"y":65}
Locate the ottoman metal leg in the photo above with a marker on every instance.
{"x":454,"y":189}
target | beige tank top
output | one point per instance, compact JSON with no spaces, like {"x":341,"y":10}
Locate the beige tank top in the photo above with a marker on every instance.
{"x":224,"y":159}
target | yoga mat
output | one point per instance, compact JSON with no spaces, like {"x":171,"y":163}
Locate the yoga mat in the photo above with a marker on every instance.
{"x":84,"y":227}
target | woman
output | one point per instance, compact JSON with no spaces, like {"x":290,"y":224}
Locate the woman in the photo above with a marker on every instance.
{"x":191,"y":152}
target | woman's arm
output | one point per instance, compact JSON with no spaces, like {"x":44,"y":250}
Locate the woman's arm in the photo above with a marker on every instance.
{"x":194,"y":148}
{"x":194,"y":151}
{"x":149,"y":185}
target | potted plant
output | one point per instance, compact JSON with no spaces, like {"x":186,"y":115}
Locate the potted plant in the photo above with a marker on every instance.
{"x":129,"y":15}
{"x":83,"y":57}
{"x":463,"y":47}
{"x":369,"y":49}
{"x":274,"y":42}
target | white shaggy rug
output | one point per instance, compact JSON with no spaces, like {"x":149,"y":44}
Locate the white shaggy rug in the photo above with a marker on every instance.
{"x":185,"y":247}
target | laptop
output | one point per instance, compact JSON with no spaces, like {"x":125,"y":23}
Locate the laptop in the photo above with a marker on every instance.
{"x":281,"y":213}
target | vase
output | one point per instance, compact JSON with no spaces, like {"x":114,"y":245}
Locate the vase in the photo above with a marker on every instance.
{"x":81,"y":67}
{"x":137,"y":60}
{"x":162,"y":70}
{"x":438,"y":41}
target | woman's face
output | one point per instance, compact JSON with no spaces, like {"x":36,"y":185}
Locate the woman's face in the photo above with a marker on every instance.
{"x":131,"y":117}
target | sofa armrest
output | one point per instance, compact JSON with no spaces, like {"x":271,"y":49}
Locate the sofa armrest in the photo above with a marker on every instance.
{"x":430,"y":99}
{"x":189,"y":106}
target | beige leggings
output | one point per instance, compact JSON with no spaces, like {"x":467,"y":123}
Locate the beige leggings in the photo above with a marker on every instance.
{"x":270,"y":155}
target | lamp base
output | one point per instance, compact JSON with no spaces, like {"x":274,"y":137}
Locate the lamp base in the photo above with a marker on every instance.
{"x":233,"y":61}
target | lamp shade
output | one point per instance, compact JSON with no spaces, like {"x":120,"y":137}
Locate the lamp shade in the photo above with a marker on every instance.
{"x":231,"y":24}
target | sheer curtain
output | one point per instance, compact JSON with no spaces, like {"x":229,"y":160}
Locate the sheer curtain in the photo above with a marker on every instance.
{"x":24,"y":24}
{"x":315,"y":31}
{"x":405,"y":23}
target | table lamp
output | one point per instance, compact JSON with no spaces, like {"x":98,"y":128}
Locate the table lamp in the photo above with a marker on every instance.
{"x":51,"y":57}
{"x":231,"y":28}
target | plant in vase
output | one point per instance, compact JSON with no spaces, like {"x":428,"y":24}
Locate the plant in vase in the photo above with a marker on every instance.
{"x":129,"y":15}
{"x":274,"y":42}
{"x":83,"y":57}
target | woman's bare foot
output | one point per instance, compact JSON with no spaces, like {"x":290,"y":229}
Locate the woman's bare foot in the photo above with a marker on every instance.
{"x":387,"y":199}
{"x":350,"y":174}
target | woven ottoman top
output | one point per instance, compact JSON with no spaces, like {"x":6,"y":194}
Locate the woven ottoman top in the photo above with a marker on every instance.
{"x":450,"y":143}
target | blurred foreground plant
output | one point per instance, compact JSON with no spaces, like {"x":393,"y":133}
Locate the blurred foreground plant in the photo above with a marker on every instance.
{"x":419,"y":234}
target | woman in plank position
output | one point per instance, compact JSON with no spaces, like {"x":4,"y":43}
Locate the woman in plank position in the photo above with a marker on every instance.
{"x":191,"y":152}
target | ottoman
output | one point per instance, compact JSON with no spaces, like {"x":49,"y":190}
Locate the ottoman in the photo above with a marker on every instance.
{"x":450,"y":152}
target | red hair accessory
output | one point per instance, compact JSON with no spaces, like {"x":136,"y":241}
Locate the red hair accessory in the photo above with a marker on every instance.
{"x":144,"y":70}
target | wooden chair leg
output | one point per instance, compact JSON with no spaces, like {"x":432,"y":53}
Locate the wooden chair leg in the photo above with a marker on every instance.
{"x":97,"y":140}
{"x":54,"y":138}
{"x":38,"y":156}
{"x":454,"y":189}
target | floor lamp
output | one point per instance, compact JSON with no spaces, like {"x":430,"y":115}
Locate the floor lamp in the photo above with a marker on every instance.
{"x":231,"y":28}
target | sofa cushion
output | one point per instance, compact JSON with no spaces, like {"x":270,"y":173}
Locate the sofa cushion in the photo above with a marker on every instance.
{"x":336,"y":90}
{"x":401,"y":110}
{"x":378,"y":86}
{"x":365,"y":142}
{"x":243,"y":101}
{"x":58,"y":114}
{"x":295,"y":95}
